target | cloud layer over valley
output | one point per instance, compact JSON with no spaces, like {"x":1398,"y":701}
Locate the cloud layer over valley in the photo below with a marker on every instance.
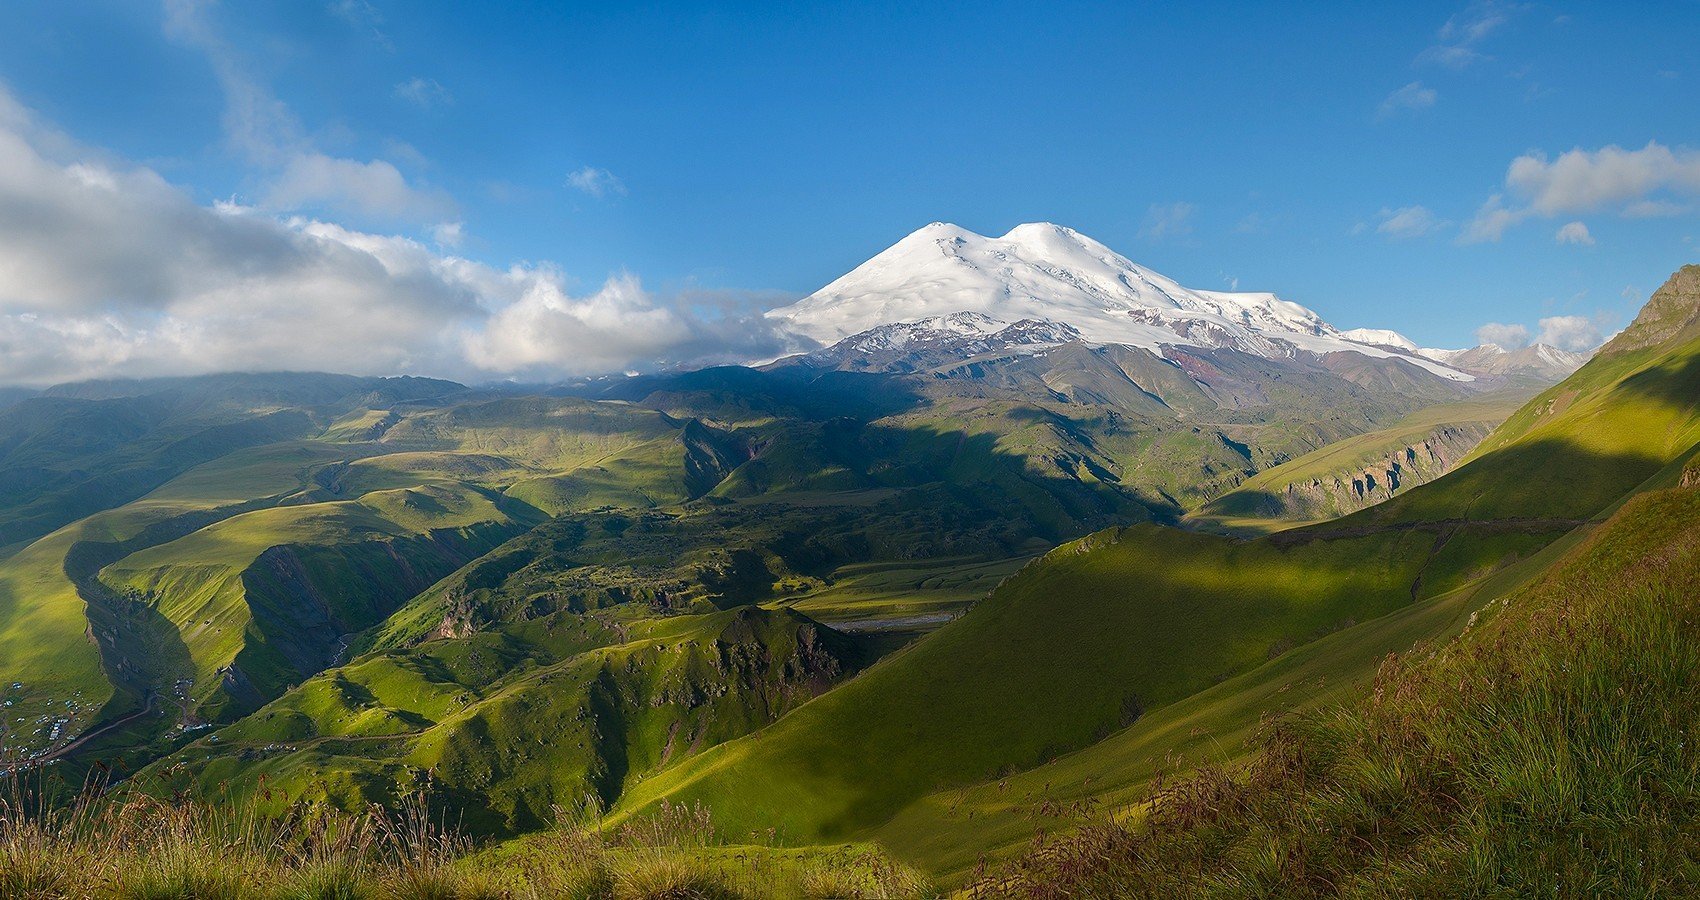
{"x":107,"y":268}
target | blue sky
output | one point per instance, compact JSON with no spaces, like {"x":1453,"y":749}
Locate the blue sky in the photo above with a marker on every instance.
{"x":1343,"y":156}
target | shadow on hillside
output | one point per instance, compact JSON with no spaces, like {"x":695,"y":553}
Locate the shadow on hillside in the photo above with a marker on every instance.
{"x":1248,"y":503}
{"x":1548,"y":478}
{"x":1060,"y":491}
{"x":1676,"y":383}
{"x":796,"y":391}
{"x":36,"y":498}
{"x":1161,"y":614}
{"x":141,"y":651}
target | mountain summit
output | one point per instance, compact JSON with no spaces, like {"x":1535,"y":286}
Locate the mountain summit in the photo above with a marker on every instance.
{"x":1042,"y":272}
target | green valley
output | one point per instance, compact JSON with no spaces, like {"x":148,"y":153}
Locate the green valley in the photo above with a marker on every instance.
{"x":585,"y":451}
{"x":933,"y":612}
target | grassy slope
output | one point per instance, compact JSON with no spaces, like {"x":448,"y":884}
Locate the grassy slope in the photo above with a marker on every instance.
{"x":1240,"y":511}
{"x":82,"y":448}
{"x":429,"y":463}
{"x":133,"y":846}
{"x":1546,"y":753}
{"x":228,"y":608}
{"x":557,"y":454}
{"x":43,"y":638}
{"x":952,"y":831}
{"x":1578,"y":446}
{"x":71,"y":459}
{"x":1060,"y":463}
{"x":1029,"y":675}
{"x":555,"y":613}
{"x":617,"y":697}
{"x":864,"y":596}
{"x":1043,"y":666}
{"x":220,"y":605}
{"x":1188,"y":427}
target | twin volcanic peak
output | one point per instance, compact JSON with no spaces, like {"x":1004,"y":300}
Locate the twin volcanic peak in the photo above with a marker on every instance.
{"x":947,"y":279}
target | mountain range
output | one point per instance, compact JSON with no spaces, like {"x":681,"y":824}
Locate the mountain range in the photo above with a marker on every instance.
{"x":1028,"y":526}
{"x":946,"y":280}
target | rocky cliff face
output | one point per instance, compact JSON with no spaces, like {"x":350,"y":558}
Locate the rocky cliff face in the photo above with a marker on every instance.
{"x":1672,"y":310}
{"x":1354,"y":488}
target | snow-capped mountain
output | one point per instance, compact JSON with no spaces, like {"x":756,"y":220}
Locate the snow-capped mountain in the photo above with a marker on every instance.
{"x":1044,"y":273}
{"x":1542,"y":361}
{"x":908,"y":346}
{"x":968,"y":331}
{"x":1381,"y":337}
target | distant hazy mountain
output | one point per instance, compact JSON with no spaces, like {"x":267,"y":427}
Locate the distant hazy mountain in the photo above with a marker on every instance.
{"x":1540,"y":361}
{"x":1044,"y":273}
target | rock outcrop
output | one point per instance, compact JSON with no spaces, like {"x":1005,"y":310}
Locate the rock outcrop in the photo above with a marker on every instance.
{"x":1375,"y":480}
{"x":1672,"y":310}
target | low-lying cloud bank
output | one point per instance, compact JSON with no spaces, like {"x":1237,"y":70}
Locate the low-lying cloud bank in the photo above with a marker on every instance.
{"x":1575,"y":333}
{"x":107,"y":269}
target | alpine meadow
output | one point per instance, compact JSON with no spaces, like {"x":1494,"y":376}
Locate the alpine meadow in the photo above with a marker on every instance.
{"x":353,"y":546}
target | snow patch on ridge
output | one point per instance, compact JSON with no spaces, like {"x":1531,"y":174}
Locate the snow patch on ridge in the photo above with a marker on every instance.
{"x":1381,"y":337}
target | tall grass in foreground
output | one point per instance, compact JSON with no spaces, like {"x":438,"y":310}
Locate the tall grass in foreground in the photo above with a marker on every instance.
{"x":1549,"y":752}
{"x":137,"y":847}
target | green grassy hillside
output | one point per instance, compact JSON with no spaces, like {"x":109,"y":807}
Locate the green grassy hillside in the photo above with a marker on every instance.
{"x":377,"y":598}
{"x":64,"y":671}
{"x":1358,"y":471}
{"x":1544,"y":753}
{"x":1104,"y":631}
{"x":242,"y":575}
{"x":263,"y":599}
{"x":955,"y":831}
{"x":1056,"y":446}
{"x":78,"y":449}
{"x":1075,"y":647}
{"x":567,"y":710}
{"x":652,"y":618}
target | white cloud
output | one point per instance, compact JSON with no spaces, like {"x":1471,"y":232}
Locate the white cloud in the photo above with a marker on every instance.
{"x":1632,"y":183}
{"x":110,"y":270}
{"x":1476,"y":22}
{"x":1574,"y":233}
{"x":1510,"y":337}
{"x":1570,"y":333}
{"x":543,"y":328}
{"x":1168,"y":220}
{"x":1582,"y":181}
{"x":256,"y":124}
{"x":1491,"y":221}
{"x":264,"y":130}
{"x":1412,"y":96}
{"x":596,"y":182}
{"x":1408,"y":222}
{"x":375,"y":188}
{"x":1564,"y":332}
{"x":424,"y":93}
{"x":448,"y":235}
{"x":1463,"y":32}
{"x":1655,"y":209}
